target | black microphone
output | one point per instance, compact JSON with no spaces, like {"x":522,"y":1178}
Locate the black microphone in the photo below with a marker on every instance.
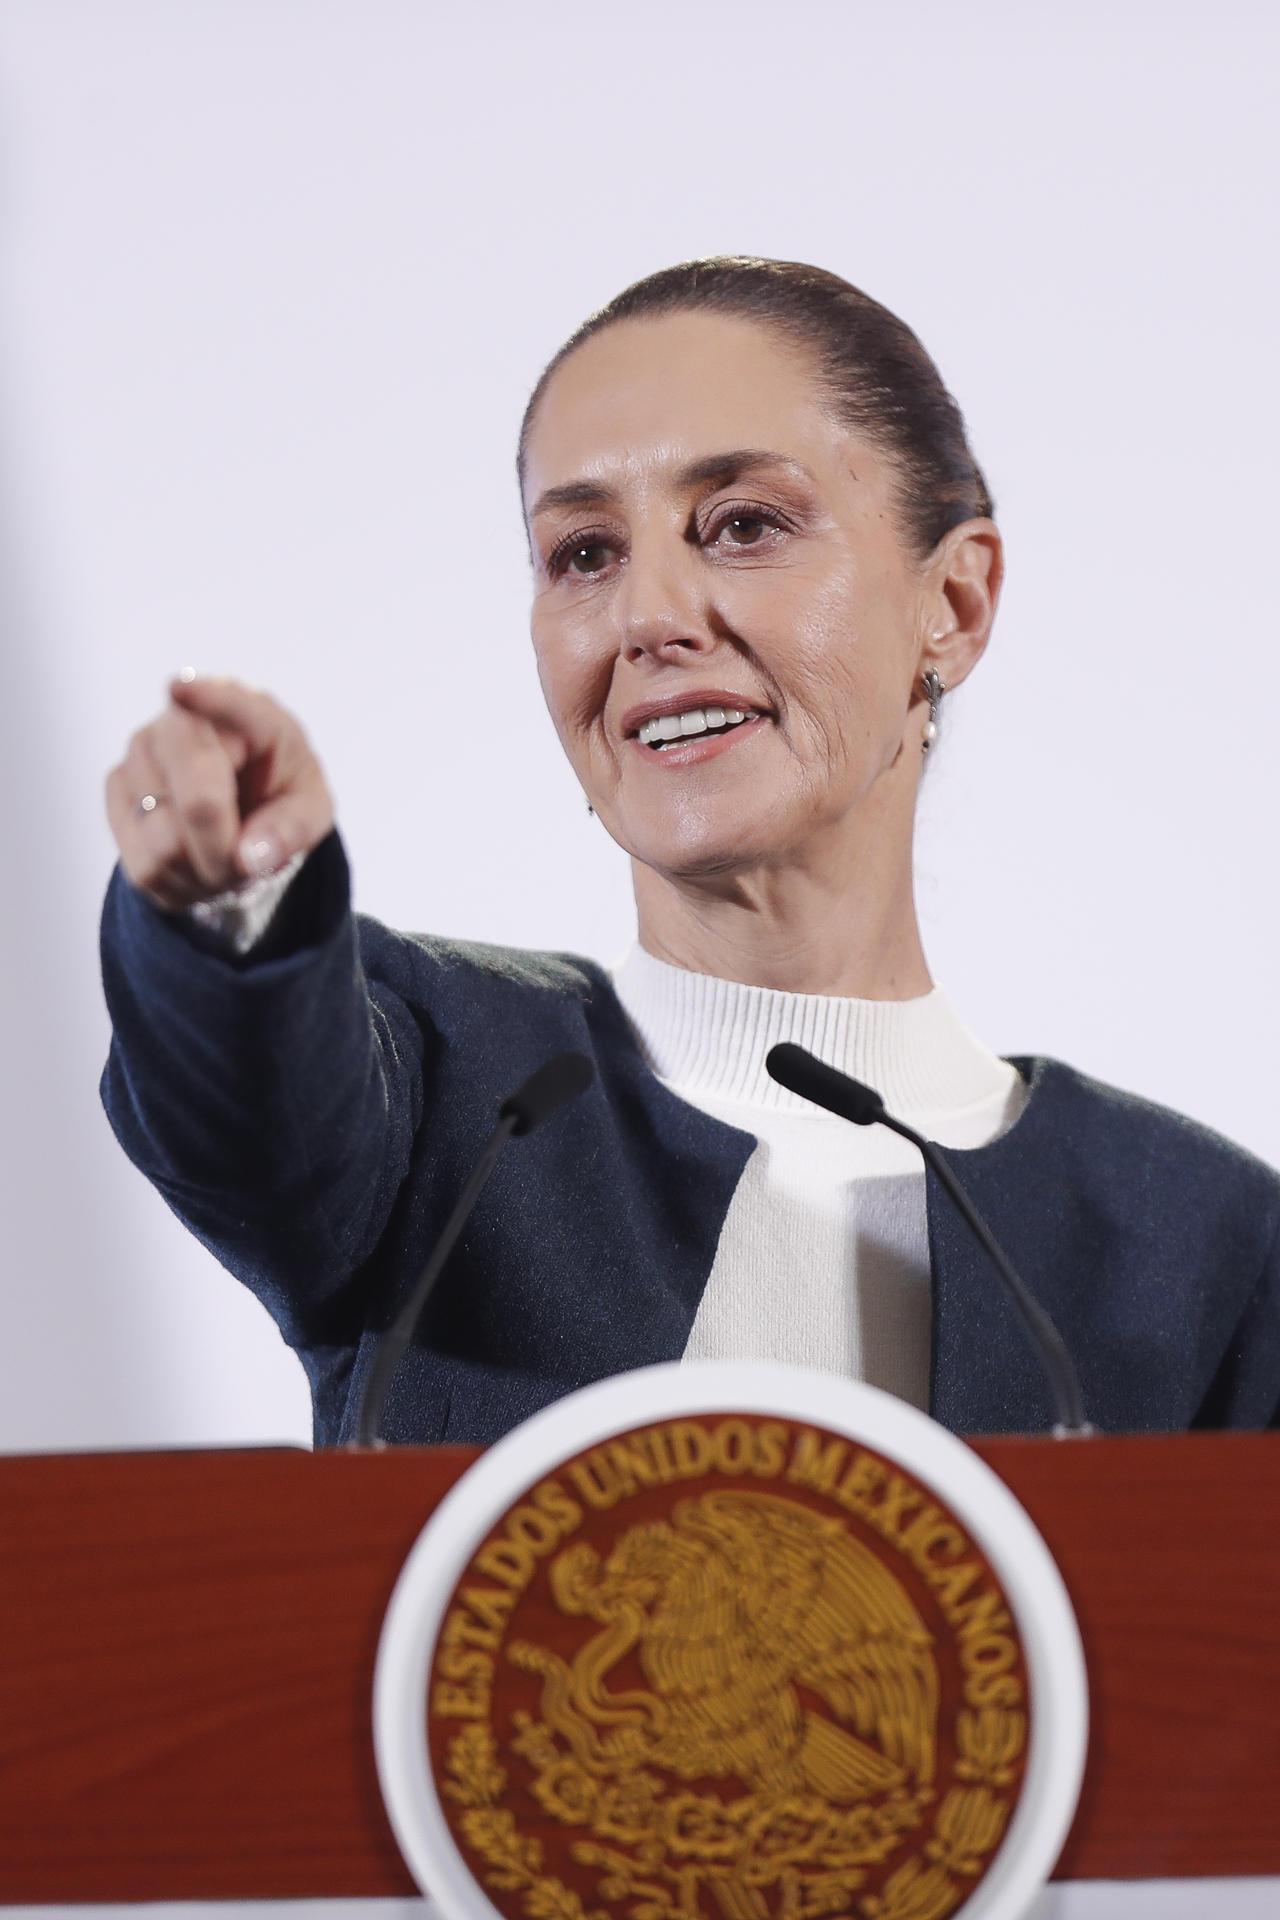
{"x":800,"y":1072}
{"x":542,"y":1095}
{"x":546,"y":1091}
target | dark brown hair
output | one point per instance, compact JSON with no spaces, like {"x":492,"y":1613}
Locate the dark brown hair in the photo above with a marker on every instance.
{"x":878,"y":376}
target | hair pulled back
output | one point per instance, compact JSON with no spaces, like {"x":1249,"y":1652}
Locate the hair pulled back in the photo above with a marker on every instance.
{"x":878,"y":377}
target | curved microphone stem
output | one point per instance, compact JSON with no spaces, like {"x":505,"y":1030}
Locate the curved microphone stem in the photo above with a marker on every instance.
{"x":390,"y":1348}
{"x":544,"y":1093}
{"x":802,"y":1072}
{"x":1047,"y":1341}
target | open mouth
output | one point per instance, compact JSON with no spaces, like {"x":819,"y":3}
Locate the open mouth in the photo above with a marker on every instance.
{"x":696,"y":723}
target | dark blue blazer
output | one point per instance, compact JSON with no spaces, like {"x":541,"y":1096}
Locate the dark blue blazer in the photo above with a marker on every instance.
{"x":312,"y":1113}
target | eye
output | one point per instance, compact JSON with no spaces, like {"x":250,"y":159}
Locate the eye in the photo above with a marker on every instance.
{"x":582,"y":555}
{"x":743,"y":527}
{"x":589,"y":559}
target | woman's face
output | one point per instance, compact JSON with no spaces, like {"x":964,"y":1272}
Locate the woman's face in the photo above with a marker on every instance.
{"x":708,"y":541}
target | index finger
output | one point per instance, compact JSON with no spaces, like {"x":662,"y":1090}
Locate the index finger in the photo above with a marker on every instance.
{"x":255,"y":716}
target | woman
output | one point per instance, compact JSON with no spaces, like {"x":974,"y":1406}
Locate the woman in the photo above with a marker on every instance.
{"x":762,"y":553}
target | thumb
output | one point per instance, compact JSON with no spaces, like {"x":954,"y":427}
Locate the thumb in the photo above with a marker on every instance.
{"x":283,"y":828}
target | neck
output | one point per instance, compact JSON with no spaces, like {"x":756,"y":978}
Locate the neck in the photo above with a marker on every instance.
{"x":837,"y":926}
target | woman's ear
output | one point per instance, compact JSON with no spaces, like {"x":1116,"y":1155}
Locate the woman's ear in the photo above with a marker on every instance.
{"x":964,"y":575}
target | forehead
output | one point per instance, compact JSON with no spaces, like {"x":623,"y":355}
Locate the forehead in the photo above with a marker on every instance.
{"x":660,"y":394}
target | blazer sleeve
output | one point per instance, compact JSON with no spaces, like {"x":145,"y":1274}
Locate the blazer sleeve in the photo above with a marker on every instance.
{"x":272,"y":1098}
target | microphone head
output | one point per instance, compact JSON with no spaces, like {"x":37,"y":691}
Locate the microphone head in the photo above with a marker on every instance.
{"x":547,"y":1090}
{"x":803,"y":1073}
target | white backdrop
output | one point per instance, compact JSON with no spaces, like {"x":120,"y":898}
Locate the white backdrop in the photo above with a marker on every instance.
{"x":278,"y":275}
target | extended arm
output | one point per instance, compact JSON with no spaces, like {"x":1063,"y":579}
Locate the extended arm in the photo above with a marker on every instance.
{"x":272,"y":1099}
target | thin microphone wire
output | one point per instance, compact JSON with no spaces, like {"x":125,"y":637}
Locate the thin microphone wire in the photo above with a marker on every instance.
{"x":551,"y":1087}
{"x":802,"y":1072}
{"x":1064,"y":1382}
{"x":390,"y":1349}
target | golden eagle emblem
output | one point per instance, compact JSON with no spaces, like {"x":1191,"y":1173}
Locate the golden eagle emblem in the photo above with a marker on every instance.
{"x":743,"y":1705}
{"x":735,"y":1608}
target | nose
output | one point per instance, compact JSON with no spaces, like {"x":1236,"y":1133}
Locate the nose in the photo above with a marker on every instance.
{"x":661,"y":603}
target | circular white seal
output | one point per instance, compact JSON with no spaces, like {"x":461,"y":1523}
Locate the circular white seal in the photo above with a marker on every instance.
{"x":999,"y":1527}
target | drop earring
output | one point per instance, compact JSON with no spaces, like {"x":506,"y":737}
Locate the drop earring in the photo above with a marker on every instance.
{"x":934,"y":689}
{"x":591,"y":810}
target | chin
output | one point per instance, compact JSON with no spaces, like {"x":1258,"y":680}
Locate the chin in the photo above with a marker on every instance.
{"x":699,"y":848}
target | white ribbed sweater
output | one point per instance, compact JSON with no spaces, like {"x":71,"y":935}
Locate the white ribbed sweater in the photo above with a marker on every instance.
{"x":823,"y":1258}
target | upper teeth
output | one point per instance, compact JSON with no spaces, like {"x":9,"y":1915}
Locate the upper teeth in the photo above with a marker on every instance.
{"x":675,"y":726}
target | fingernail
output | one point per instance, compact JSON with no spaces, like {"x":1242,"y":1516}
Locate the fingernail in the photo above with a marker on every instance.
{"x":261,"y":855}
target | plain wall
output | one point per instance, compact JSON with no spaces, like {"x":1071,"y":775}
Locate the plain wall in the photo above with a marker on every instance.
{"x":277,"y":278}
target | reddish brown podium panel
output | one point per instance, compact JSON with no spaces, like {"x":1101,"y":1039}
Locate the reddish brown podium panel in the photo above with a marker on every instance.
{"x":187,"y":1645}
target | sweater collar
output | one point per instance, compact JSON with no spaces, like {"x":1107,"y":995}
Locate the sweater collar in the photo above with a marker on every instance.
{"x":702,"y":1033}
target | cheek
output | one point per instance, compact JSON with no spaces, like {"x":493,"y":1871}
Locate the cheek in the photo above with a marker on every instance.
{"x":832,"y":641}
{"x":573,"y":675}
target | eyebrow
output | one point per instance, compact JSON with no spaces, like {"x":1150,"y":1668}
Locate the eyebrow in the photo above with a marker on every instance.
{"x":715,"y":467}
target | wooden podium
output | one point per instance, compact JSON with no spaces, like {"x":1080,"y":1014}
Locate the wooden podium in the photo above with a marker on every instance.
{"x":187,"y":1645}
